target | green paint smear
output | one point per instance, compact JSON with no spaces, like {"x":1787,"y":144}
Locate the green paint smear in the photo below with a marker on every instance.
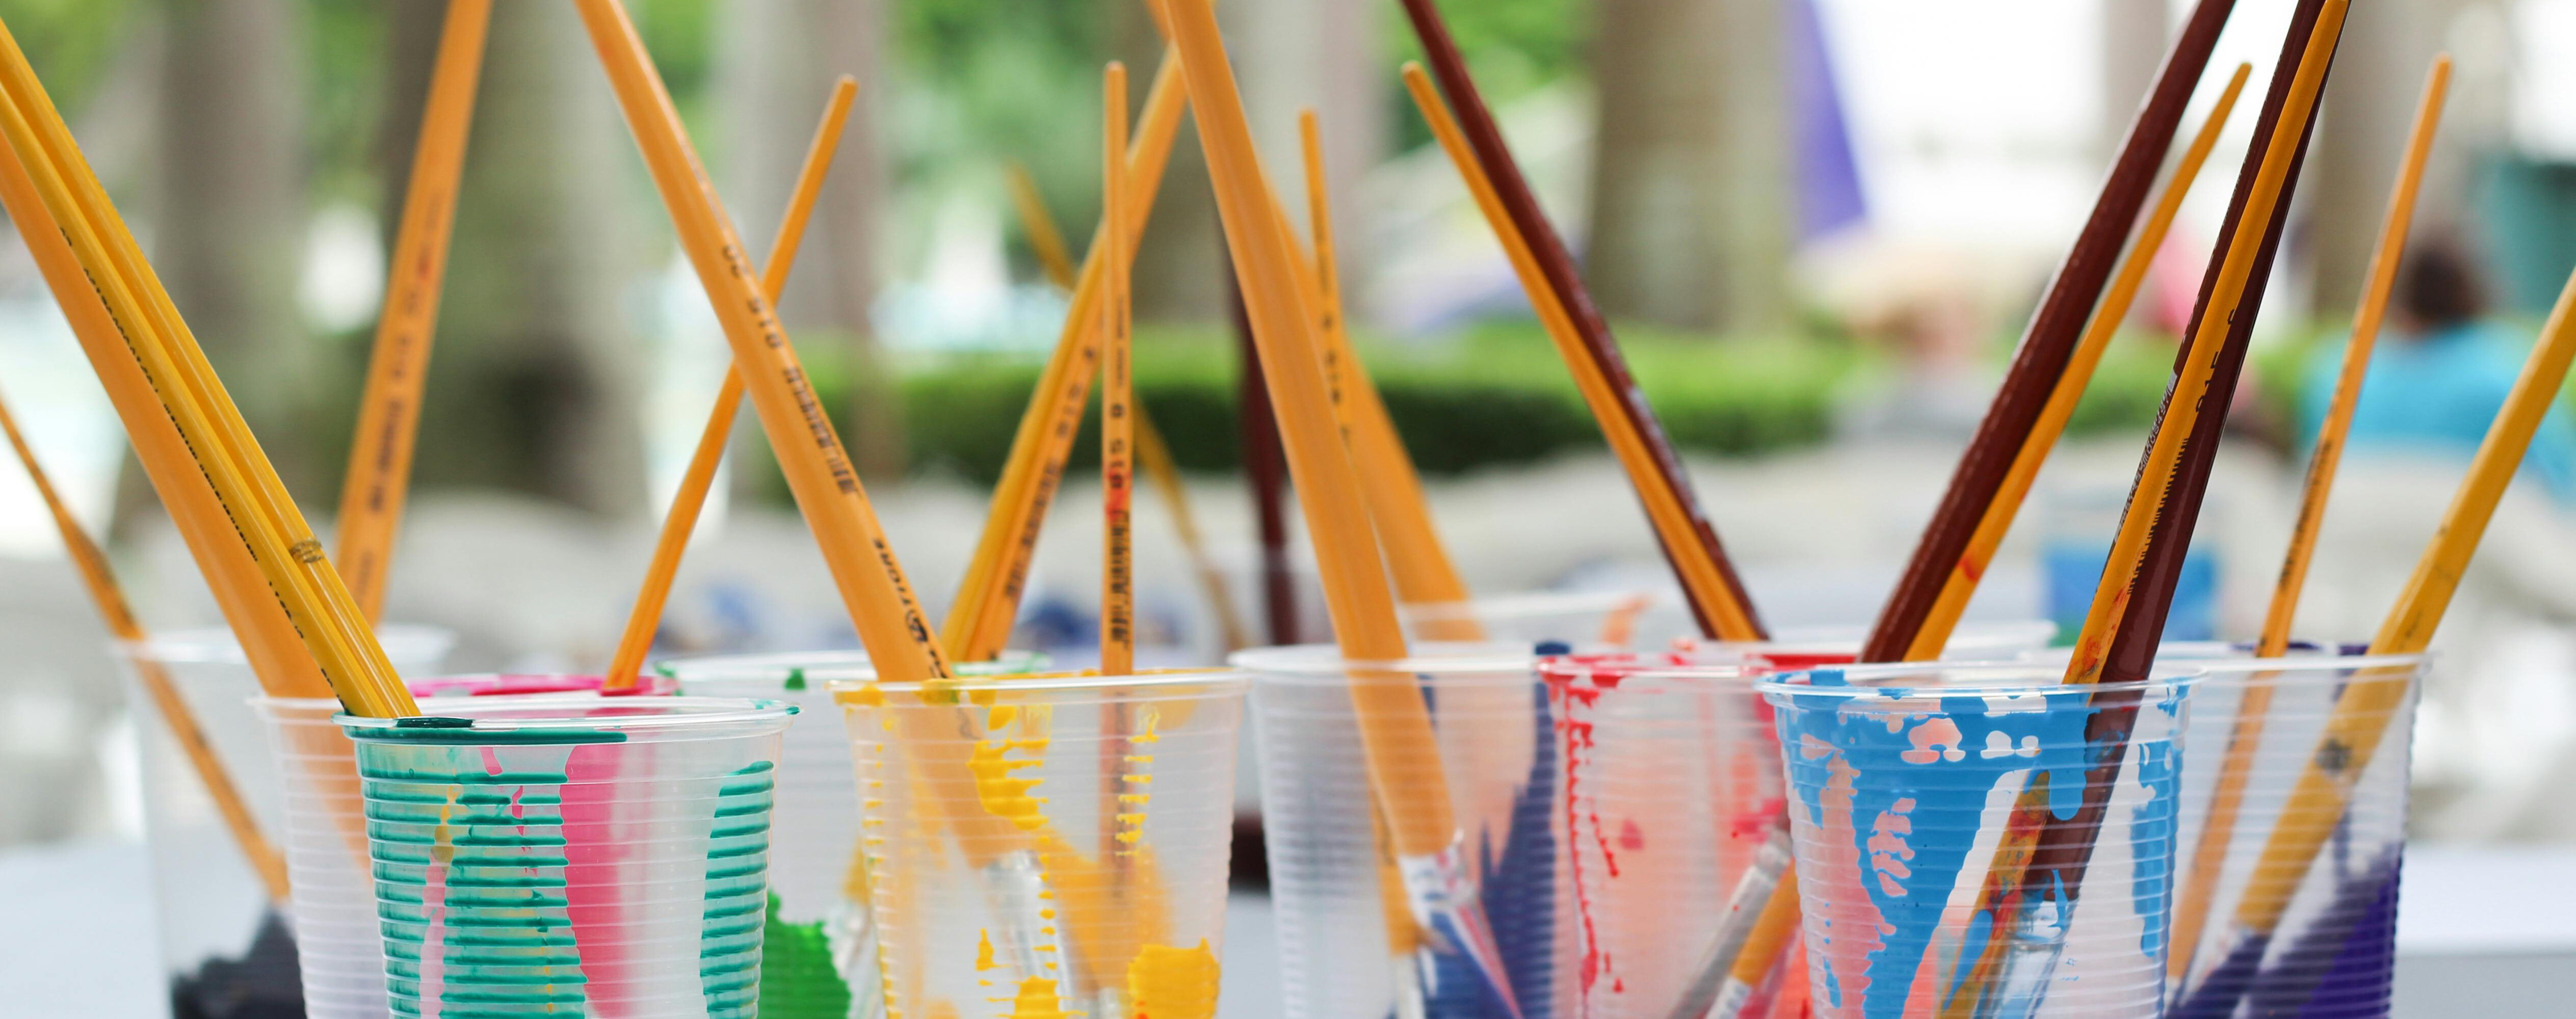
{"x":797,"y":979}
{"x":796,"y":679}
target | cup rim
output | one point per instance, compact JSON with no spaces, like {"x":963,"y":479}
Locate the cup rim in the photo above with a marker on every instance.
{"x":2038,"y":679}
{"x":845,"y":691}
{"x":2222,"y":658}
{"x":1532,"y":604}
{"x":1306,"y":662}
{"x":844,"y":664}
{"x":672,"y":713}
{"x":217,"y":645}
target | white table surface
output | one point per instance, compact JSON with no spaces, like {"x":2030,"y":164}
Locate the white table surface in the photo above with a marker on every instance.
{"x":2483,"y":932}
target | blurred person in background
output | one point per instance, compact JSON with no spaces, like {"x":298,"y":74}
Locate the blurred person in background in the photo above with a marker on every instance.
{"x":2439,"y":375}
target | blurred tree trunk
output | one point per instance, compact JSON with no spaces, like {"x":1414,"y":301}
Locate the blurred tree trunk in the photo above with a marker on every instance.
{"x":1322,"y":54}
{"x":2134,"y":35}
{"x":2378,"y":82}
{"x":230,"y":242}
{"x":532,"y":384}
{"x":776,"y":65}
{"x":1692,"y":196}
{"x":1179,"y":273}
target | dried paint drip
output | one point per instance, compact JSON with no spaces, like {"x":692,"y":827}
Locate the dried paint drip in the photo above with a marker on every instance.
{"x":997,"y":783}
{"x":1135,"y":781}
{"x":1173,"y":983}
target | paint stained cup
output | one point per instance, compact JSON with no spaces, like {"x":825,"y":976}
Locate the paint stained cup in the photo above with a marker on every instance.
{"x":1673,"y":798}
{"x":1902,"y":780}
{"x":1048,"y":845}
{"x":223,"y":945}
{"x":814,"y":869}
{"x":2257,"y":725}
{"x":325,"y":836}
{"x":571,"y":855}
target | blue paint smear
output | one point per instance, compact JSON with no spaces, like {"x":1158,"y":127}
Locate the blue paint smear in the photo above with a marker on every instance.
{"x":1518,"y":890}
{"x":2153,"y":831}
{"x":1923,"y":849}
{"x":2342,"y":966}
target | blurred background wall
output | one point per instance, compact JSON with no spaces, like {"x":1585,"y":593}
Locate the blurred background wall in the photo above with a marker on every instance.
{"x":1818,"y":223}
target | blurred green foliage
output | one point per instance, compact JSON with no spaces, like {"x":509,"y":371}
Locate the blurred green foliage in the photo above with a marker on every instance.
{"x":1495,"y":397}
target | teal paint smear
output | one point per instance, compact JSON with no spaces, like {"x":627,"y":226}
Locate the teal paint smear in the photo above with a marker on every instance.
{"x":504,"y":938}
{"x":1915,"y":855}
{"x":797,"y":978}
{"x":732,"y":956}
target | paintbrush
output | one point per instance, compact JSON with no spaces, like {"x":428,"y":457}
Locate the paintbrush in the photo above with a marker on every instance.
{"x":645,"y":618}
{"x":2048,"y":342}
{"x":988,"y":596}
{"x":2359,"y":723}
{"x":380,"y":453}
{"x":49,"y":168}
{"x":1404,"y":762}
{"x":2043,"y":856}
{"x":2200,"y":883}
{"x":1716,"y":595}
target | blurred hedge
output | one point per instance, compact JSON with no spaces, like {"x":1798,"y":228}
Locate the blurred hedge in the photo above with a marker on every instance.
{"x":1495,"y":397}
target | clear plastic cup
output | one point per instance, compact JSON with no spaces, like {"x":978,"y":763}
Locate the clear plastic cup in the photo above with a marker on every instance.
{"x":813,"y":864}
{"x":1048,"y":845}
{"x":2256,"y":727}
{"x":325,"y":838}
{"x":572,"y":854}
{"x":1902,"y":779}
{"x":223,"y":944}
{"x":1346,"y":943}
{"x":1672,"y":793}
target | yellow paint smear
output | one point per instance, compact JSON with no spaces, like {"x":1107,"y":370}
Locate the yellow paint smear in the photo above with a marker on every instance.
{"x":1037,"y":1000}
{"x":1173,"y":983}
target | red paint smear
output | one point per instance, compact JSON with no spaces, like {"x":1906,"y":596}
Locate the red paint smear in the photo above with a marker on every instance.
{"x":1631,"y":837}
{"x":1574,"y":691}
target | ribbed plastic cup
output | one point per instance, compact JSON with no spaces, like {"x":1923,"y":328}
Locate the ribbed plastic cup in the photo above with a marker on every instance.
{"x":223,"y":944}
{"x":572,"y":855}
{"x":2333,"y":955}
{"x":1346,"y":945}
{"x":813,"y":863}
{"x":1045,"y":846}
{"x":1672,"y":790}
{"x":1902,"y":779}
{"x":325,"y":836}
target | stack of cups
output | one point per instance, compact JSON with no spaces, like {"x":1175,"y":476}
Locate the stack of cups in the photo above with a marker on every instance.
{"x":572,"y":855}
{"x":325,"y":837}
{"x":1904,"y":781}
{"x":222,"y":942}
{"x":2289,"y":894}
{"x":824,"y":950}
{"x":1048,"y":845}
